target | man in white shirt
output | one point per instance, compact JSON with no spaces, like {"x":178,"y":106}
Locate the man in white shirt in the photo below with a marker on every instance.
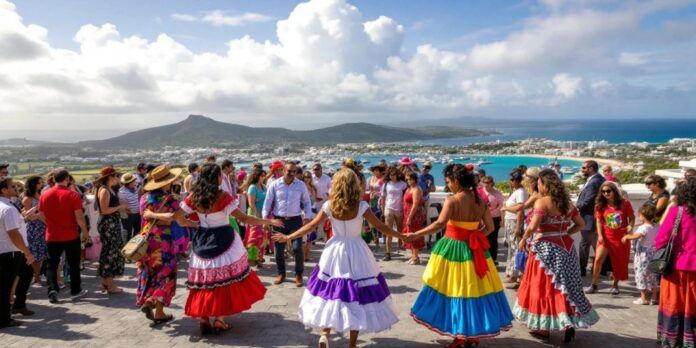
{"x":15,"y":257}
{"x":228,"y":184}
{"x":286,"y":199}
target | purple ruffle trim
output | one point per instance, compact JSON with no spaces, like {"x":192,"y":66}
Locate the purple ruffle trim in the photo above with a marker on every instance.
{"x":347,"y":290}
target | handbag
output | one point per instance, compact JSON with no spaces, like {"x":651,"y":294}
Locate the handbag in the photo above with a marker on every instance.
{"x":661,"y":263}
{"x":136,"y":248}
{"x":521,"y":260}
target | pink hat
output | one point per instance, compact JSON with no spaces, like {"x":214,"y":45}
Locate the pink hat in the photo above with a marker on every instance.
{"x":406,"y":161}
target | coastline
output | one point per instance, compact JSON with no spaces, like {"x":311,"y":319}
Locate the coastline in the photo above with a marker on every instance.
{"x":601,"y":161}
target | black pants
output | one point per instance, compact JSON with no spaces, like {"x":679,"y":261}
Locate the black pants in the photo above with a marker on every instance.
{"x":13,"y":265}
{"x":292,"y":224}
{"x":72,"y":256}
{"x":131,"y":225}
{"x":493,"y":239}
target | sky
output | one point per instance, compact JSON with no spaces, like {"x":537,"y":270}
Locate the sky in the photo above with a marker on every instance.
{"x":73,"y":66}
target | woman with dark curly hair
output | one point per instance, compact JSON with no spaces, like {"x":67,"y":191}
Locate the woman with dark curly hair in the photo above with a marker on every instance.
{"x":550,"y":296}
{"x":615,"y":219}
{"x":462,"y":295}
{"x":659,"y":197}
{"x":36,"y":227}
{"x":220,"y":281}
{"x":676,"y":318}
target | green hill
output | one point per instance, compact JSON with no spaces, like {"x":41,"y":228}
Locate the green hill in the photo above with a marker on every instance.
{"x":202,"y":131}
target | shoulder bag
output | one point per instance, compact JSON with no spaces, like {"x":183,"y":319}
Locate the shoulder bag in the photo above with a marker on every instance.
{"x":661,"y":262}
{"x":136,"y":248}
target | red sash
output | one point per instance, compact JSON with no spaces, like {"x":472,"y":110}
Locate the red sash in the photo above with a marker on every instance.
{"x":478,"y":243}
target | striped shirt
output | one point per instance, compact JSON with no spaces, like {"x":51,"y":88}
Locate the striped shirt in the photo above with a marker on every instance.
{"x":130,"y":196}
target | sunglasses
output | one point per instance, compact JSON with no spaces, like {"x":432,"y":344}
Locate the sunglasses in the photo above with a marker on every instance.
{"x":583,"y":168}
{"x":604,"y":192}
{"x":649,"y":183}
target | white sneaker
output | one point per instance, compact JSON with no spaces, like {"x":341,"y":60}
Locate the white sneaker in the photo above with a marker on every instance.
{"x":640,"y":301}
{"x":78,"y":295}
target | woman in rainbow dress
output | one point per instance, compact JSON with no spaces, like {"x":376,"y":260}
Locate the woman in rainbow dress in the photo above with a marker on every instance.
{"x":462,"y":296}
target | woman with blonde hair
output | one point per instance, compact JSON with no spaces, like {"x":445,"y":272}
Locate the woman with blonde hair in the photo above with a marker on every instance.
{"x":346,"y":291}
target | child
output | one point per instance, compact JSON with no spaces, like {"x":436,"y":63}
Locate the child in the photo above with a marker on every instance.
{"x":644,"y":250}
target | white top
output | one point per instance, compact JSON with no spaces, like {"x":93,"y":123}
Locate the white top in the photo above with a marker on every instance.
{"x":649,"y":232}
{"x":323,"y":186}
{"x":518,"y":196}
{"x":394,"y":200}
{"x":10,"y":219}
{"x":347,"y":228}
{"x":216,"y":219}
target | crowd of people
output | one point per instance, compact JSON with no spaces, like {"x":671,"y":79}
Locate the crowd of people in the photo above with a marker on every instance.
{"x":224,"y":223}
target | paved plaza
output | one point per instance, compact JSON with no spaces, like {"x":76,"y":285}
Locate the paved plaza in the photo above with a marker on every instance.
{"x":99,"y":320}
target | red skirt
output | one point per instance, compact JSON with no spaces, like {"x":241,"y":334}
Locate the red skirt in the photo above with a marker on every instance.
{"x":619,"y":253}
{"x":676,"y":318}
{"x":225,"y":300}
{"x":417,"y":223}
{"x":537,"y":294}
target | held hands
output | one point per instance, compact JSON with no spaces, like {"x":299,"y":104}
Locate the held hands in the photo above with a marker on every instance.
{"x":408,"y":238}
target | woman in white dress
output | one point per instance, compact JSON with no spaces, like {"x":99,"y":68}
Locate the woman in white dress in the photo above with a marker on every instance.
{"x":346,"y":291}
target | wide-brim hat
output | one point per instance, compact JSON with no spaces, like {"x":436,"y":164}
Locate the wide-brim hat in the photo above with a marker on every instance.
{"x":127,"y":178}
{"x":406,"y":161}
{"x":161,"y":177}
{"x":106,"y":172}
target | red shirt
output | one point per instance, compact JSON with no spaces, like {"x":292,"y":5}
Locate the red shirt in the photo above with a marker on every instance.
{"x":58,"y":206}
{"x":615,"y":221}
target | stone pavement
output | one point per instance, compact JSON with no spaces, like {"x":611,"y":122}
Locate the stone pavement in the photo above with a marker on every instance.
{"x":98,"y":320}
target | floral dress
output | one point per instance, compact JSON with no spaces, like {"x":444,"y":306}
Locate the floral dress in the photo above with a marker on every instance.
{"x":36,"y":236}
{"x":157,"y":269}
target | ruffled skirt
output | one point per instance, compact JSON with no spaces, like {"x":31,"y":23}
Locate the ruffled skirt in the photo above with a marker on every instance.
{"x":346,"y":291}
{"x":223,"y":285}
{"x":455,"y":301}
{"x":550,"y":296}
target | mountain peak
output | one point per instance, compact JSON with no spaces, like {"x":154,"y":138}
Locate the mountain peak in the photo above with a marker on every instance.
{"x":198,"y":118}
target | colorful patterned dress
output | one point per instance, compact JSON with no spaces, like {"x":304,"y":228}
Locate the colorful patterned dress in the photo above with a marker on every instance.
{"x":462,"y":296}
{"x":36,"y":236}
{"x":111,"y":261}
{"x":157,"y":269}
{"x":220,"y":281}
{"x":550,"y":295}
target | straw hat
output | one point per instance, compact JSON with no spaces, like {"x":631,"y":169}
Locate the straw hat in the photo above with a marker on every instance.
{"x":127,"y":178}
{"x":532,"y":172}
{"x":161,"y":177}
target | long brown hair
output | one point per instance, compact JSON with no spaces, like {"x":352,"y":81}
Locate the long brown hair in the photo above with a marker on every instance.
{"x":556,"y":190}
{"x":601,"y":202}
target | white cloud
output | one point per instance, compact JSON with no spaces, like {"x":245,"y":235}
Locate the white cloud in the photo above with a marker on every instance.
{"x":329,"y":60}
{"x":567,"y":86}
{"x":184,"y":17}
{"x":220,"y":18}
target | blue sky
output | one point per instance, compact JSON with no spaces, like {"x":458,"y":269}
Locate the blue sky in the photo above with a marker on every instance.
{"x":75,"y":64}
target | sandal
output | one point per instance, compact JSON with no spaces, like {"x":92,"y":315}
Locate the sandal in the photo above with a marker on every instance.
{"x":148,"y":311}
{"x":158,"y":321}
{"x":206,"y":328}
{"x":220,"y":326}
{"x":541,"y":334}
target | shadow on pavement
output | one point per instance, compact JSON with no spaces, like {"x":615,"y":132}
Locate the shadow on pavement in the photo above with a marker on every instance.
{"x":54,"y":320}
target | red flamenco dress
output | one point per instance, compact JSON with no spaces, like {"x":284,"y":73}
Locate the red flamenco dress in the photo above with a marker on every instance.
{"x":220,"y":281}
{"x":550,"y":297}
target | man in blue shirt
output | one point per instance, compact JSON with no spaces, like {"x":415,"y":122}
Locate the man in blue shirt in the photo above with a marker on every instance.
{"x":287,"y":199}
{"x":426,"y":181}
